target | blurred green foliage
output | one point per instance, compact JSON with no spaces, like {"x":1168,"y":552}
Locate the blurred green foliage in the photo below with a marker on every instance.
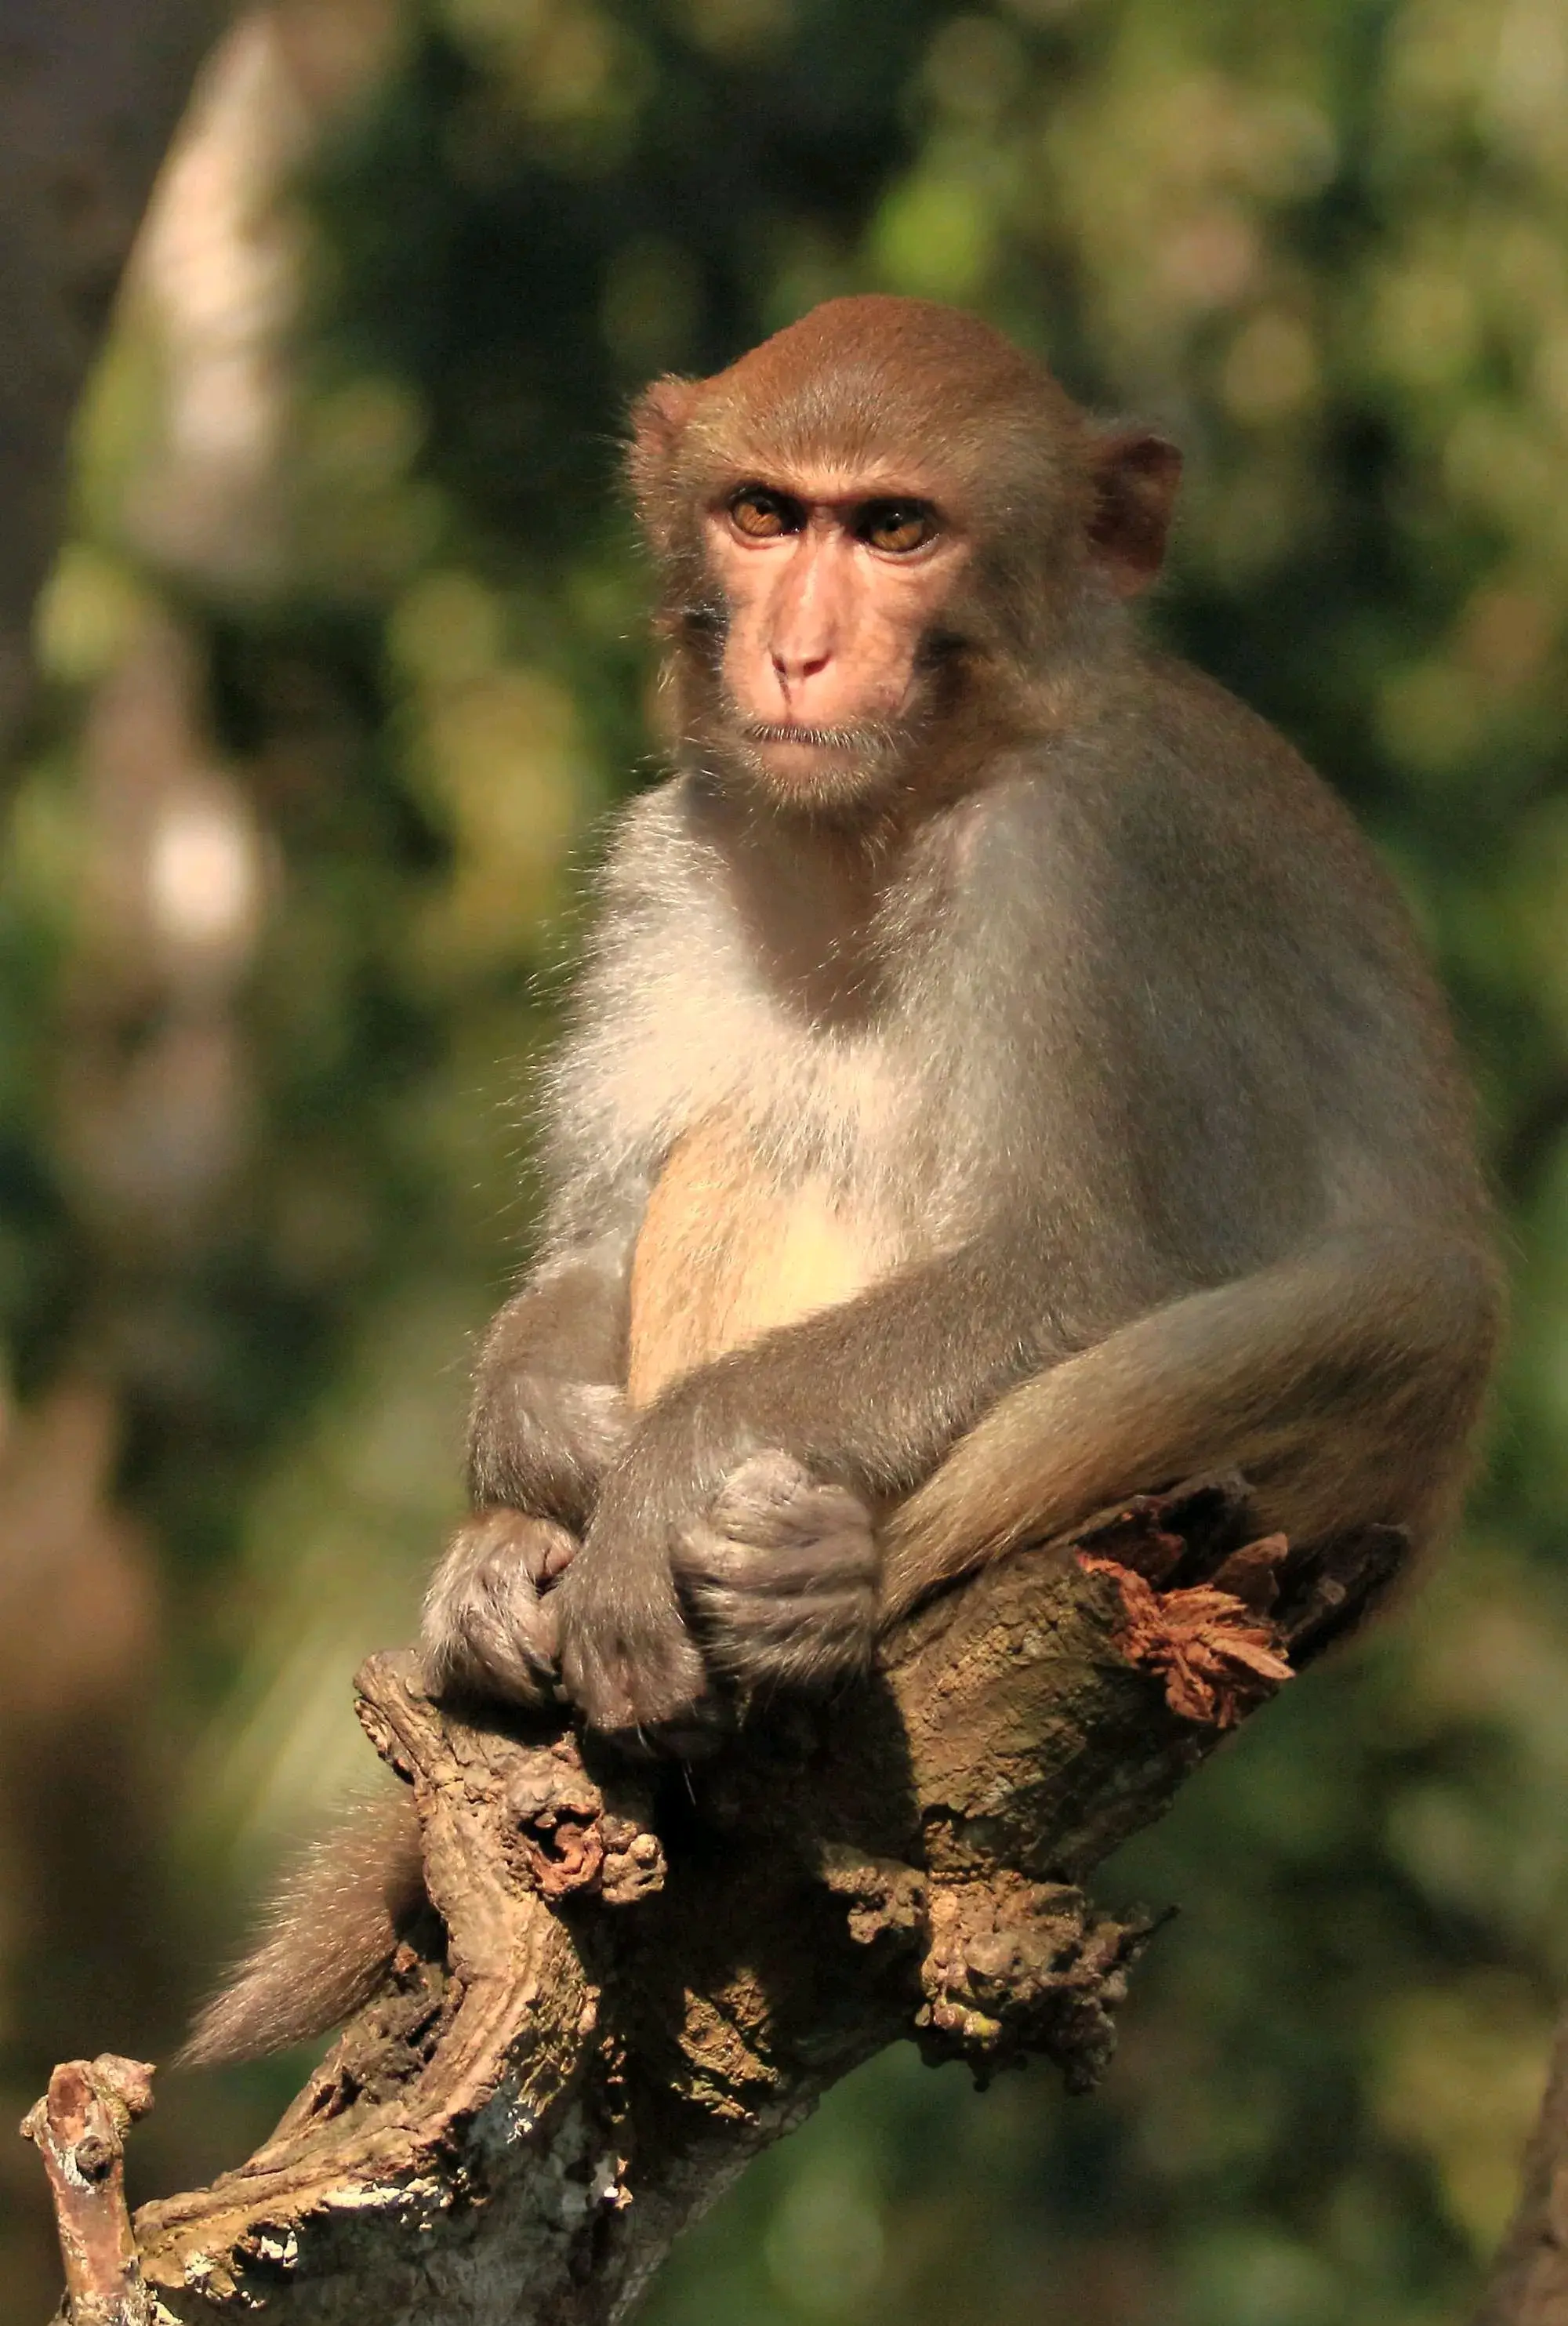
{"x":389,"y":609}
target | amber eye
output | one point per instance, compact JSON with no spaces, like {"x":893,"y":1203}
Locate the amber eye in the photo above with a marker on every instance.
{"x":898,"y":525}
{"x":762,"y":515}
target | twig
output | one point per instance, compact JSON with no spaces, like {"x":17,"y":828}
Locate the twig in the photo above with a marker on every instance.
{"x":79,"y":2126}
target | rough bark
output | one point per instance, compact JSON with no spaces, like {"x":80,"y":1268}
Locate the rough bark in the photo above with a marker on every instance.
{"x":1529,"y":2282}
{"x":649,"y":1975}
{"x":91,"y":91}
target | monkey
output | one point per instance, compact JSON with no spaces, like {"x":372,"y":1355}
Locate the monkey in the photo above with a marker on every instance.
{"x":1001,"y":1080}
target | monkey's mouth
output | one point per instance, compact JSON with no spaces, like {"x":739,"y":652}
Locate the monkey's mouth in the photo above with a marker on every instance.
{"x":866,"y":737}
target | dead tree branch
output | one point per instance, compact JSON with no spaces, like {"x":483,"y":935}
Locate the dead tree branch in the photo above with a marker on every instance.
{"x":79,"y":2126}
{"x":648,"y":1976}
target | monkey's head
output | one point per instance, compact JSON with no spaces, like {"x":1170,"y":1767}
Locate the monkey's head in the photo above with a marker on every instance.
{"x":885,"y":511}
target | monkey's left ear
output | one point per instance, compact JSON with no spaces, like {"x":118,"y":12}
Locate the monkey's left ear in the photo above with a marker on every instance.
{"x":1134,"y":476}
{"x":658,"y":417}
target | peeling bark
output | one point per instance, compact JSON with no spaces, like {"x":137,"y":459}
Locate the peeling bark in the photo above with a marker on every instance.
{"x":650,"y":1975}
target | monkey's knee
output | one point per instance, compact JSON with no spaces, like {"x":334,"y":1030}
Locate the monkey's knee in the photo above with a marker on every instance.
{"x":488,"y":1626}
{"x":783,"y":1576}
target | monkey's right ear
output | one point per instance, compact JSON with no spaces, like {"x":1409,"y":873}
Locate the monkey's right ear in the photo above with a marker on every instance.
{"x":1134,"y":476}
{"x":658,"y":419}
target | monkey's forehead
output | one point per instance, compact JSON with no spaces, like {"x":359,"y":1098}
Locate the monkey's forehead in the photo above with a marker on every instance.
{"x":842,"y":479}
{"x":839,"y":447}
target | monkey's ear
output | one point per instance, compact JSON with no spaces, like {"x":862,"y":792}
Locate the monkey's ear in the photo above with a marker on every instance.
{"x":658,"y":417}
{"x":1134,"y":476}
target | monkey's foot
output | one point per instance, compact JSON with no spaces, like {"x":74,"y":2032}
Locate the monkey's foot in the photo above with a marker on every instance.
{"x":783,"y":1575}
{"x":490,"y":1626}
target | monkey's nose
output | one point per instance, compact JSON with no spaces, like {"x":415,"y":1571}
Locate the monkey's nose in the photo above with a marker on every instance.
{"x":795,"y":669}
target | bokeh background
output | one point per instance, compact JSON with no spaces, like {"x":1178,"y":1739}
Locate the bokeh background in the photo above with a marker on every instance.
{"x":344,"y":666}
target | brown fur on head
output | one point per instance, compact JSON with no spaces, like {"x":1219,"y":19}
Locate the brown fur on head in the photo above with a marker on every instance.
{"x":907,"y":396}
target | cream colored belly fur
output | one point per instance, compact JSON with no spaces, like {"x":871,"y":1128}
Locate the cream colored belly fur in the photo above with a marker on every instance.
{"x":725,"y":1254}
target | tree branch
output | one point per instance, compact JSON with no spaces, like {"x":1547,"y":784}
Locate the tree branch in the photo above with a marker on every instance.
{"x":79,"y":2126}
{"x":650,"y":1975}
{"x":1529,"y":2282}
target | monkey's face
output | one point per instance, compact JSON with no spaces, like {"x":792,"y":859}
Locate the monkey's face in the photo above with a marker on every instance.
{"x":833,"y":587}
{"x":874,"y":532}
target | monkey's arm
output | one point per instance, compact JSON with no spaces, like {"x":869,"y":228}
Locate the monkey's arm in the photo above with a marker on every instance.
{"x":1346,"y":1381}
{"x":771,"y":1454}
{"x":548,"y":1415}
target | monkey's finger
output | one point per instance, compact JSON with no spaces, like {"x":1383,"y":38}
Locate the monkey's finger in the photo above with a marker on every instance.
{"x":845,"y":1560}
{"x":486,"y":1630}
{"x":477,"y":1657}
{"x":823,"y":1636}
{"x":773,"y":1501}
{"x":505,"y":1539}
{"x":840,"y":1615}
{"x":647,"y":1688}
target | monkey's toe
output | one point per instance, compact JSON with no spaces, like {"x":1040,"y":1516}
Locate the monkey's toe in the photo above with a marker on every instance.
{"x":784,"y":1577}
{"x":490,"y":1626}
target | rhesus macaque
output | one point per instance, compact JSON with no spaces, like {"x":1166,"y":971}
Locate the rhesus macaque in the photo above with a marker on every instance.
{"x":1002,"y":1080}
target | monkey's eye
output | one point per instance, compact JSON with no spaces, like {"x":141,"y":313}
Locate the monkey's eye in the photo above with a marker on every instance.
{"x":897,"y":525}
{"x":763,"y":516}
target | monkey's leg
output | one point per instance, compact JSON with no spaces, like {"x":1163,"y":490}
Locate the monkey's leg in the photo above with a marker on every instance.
{"x":488,"y":1627}
{"x":1344,"y":1383}
{"x":782,"y":1576}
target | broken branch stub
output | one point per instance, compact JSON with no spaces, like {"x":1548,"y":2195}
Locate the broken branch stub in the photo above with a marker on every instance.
{"x":649,"y":1975}
{"x":80,"y":2127}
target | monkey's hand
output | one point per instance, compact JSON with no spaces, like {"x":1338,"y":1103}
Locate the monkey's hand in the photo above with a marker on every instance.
{"x":770,"y":1577}
{"x":490,"y":1626}
{"x":627,"y":1661}
{"x":782,"y":1576}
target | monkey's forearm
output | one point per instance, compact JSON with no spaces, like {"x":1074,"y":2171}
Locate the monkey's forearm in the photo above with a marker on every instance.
{"x":747,"y":1483}
{"x":870,"y":1392}
{"x":549,"y":1413}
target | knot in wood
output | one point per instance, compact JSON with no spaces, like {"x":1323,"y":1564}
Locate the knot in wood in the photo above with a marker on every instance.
{"x":557,"y":1809}
{"x":634,"y":1863}
{"x":572,"y":1840}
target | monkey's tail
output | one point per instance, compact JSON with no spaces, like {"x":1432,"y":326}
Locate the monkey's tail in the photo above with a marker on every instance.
{"x":329,"y":1935}
{"x":1345,"y":1383}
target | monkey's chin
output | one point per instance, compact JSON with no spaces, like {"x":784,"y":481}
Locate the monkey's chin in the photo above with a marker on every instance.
{"x":826,"y":769}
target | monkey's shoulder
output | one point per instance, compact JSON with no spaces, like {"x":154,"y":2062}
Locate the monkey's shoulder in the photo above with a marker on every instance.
{"x":1168,"y":797}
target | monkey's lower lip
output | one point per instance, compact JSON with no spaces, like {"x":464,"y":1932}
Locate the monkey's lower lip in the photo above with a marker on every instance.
{"x":811,"y":738}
